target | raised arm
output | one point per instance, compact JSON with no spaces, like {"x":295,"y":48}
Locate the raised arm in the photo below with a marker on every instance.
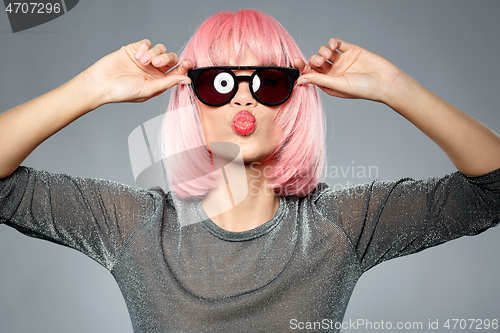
{"x":134,"y":73}
{"x":349,"y":71}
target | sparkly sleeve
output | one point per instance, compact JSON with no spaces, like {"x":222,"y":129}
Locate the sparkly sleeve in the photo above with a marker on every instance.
{"x":389,"y":219}
{"x":93,"y":216}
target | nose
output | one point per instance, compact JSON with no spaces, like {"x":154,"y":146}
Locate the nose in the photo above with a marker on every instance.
{"x":243,"y":96}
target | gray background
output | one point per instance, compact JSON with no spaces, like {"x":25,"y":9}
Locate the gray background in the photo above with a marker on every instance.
{"x":452,"y":47}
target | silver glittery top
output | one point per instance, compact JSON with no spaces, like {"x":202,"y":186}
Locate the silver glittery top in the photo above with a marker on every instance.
{"x":302,"y":264}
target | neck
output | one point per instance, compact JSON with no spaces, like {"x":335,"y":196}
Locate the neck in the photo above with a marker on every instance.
{"x":245,"y":202}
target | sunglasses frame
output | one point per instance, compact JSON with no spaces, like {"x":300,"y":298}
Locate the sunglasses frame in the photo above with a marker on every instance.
{"x":291,"y":73}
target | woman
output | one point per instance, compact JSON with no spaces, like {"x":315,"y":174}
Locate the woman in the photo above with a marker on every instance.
{"x":290,"y":251}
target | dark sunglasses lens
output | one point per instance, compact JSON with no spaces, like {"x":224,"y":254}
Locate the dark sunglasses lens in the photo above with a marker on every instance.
{"x":272,"y":86}
{"x":215,"y":86}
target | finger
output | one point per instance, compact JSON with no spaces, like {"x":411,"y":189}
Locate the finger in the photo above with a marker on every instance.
{"x":302,"y":66}
{"x":321,"y":80}
{"x":141,"y":47}
{"x":157,"y":86}
{"x":332,"y":85}
{"x":184,"y":66}
{"x":339,"y":44}
{"x":317,"y":79}
{"x":299,"y":64}
{"x":328,"y":54}
{"x":319,"y":64}
{"x":165,"y":61}
{"x":151,"y":53}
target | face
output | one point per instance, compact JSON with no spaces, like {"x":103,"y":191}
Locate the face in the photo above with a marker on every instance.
{"x":243,"y":121}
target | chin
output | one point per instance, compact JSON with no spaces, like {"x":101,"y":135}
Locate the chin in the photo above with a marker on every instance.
{"x":253,"y":147}
{"x":258,"y":158}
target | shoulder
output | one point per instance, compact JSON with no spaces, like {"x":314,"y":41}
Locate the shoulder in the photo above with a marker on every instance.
{"x":324,"y":193}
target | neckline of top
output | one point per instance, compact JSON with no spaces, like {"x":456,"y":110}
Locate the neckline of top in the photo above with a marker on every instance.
{"x":240,"y":236}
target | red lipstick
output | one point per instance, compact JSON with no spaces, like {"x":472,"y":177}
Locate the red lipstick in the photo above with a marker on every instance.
{"x":243,"y":123}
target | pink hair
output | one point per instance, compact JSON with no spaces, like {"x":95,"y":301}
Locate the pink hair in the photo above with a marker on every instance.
{"x":301,"y":150}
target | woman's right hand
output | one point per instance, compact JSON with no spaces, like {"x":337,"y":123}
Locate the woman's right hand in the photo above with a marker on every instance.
{"x":121,"y":76}
{"x":136,"y":73}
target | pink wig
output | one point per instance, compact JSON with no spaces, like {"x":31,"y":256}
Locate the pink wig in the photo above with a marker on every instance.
{"x":300,"y":154}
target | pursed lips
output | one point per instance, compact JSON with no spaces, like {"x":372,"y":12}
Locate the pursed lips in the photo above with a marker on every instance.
{"x":243,"y":123}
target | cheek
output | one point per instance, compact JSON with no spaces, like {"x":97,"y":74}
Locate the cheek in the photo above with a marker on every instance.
{"x":275,"y":130}
{"x":208,"y":121}
{"x":214,"y":127}
{"x":276,"y":138}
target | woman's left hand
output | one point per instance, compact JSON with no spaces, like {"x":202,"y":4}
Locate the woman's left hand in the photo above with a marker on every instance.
{"x":345,"y":70}
{"x":356,"y":73}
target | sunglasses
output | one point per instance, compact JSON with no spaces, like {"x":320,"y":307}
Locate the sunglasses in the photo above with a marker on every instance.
{"x":269,"y":85}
